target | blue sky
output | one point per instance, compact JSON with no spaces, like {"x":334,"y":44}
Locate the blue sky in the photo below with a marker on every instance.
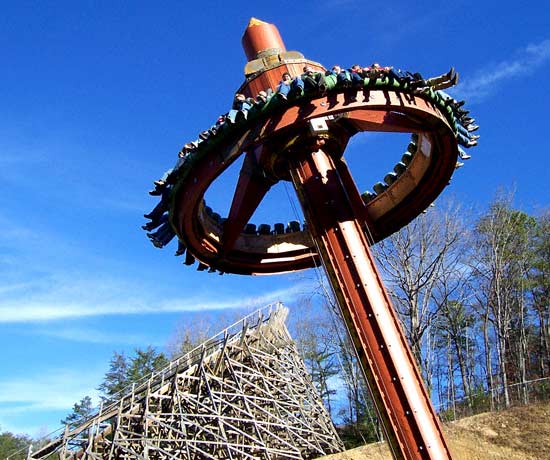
{"x":96,"y":99}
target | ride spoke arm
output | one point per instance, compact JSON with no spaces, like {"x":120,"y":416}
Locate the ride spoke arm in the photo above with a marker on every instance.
{"x":249,"y":192}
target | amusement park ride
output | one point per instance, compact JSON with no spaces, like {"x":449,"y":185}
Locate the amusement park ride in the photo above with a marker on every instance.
{"x":302,"y":140}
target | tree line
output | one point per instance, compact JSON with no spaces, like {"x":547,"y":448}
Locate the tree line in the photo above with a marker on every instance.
{"x":123,"y":372}
{"x":473,"y":297}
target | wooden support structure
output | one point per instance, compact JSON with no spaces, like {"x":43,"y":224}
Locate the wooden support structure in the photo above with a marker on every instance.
{"x":244,"y":394}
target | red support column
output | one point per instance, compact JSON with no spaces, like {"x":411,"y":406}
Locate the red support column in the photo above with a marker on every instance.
{"x":410,"y":423}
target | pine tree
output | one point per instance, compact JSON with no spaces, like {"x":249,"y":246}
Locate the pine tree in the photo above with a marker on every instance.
{"x":144,"y":363}
{"x":116,"y":379}
{"x":81,"y":411}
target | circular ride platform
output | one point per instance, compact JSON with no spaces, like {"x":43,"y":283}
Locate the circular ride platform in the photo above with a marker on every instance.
{"x":267,"y":140}
{"x":302,"y":139}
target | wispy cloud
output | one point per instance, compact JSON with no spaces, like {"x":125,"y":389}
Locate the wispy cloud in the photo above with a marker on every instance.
{"x":97,"y":336}
{"x":56,"y":390}
{"x":117,"y":302}
{"x":525,"y":62}
{"x":13,"y":232}
{"x":122,"y":203}
{"x":39,"y":394}
{"x":15,"y":161}
{"x":26,"y":246}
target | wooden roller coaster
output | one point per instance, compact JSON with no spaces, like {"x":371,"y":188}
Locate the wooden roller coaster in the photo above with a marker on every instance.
{"x":242,"y":394}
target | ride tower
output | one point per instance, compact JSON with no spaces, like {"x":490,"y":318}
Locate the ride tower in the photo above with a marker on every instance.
{"x":302,"y":139}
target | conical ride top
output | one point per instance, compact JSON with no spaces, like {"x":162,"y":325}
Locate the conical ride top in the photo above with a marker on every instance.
{"x":261,"y":38}
{"x":268,"y":58}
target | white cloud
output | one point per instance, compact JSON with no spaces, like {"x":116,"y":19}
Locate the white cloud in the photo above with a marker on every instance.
{"x":57,"y":389}
{"x":97,"y":336}
{"x":121,"y":203}
{"x":12,"y":287}
{"x":525,"y":63}
{"x":25,"y":400}
{"x":69,"y":303}
{"x":13,"y":232}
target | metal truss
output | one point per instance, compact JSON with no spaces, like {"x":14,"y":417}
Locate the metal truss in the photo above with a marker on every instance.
{"x":243,"y":394}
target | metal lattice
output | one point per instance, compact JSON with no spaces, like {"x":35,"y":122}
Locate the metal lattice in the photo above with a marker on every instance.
{"x":244,"y":394}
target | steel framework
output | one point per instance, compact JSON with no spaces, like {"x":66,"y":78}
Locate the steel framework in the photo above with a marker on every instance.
{"x":243,"y":394}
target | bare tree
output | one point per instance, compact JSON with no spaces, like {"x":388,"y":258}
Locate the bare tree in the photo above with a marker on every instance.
{"x":539,"y":276}
{"x":195,"y":329}
{"x":318,"y":346}
{"x":424,"y":265}
{"x":501,"y":264}
{"x":323,"y":337}
{"x":455,"y":326}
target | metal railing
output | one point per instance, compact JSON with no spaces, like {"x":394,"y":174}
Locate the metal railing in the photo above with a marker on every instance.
{"x":519,"y":394}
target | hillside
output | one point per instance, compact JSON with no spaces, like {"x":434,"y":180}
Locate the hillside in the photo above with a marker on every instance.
{"x":521,"y":433}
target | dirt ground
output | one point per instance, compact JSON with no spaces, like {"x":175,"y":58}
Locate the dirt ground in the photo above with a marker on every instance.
{"x":521,"y":433}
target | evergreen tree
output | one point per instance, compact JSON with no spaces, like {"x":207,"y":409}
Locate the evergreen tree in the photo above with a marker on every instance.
{"x":15,"y":445}
{"x":144,"y":363}
{"x":81,"y":411}
{"x":116,"y":379}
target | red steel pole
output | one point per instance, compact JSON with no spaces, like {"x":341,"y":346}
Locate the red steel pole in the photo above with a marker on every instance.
{"x":411,"y":426}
